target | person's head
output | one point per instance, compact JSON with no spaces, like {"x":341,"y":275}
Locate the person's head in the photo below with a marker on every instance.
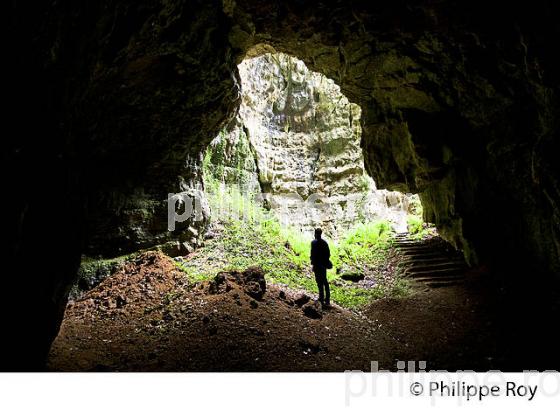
{"x":318,"y":233}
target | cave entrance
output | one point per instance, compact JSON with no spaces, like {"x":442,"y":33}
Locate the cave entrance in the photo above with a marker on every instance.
{"x":294,"y":148}
{"x":291,"y":161}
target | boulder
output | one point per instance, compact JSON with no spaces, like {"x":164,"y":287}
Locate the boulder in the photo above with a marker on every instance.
{"x":251,"y":281}
{"x":301,"y":299}
{"x":313,"y":310}
{"x":352,"y":276}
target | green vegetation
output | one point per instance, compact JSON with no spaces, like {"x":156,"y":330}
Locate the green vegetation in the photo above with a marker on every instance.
{"x":418,"y":229}
{"x":364,"y":245}
{"x":239,"y":165}
{"x":414,"y":224}
{"x":284,"y":256}
{"x":252,"y":236}
{"x":415,"y":206}
{"x":365,"y":183}
{"x":93,"y":270}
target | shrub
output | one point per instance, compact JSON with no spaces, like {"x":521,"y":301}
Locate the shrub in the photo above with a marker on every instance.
{"x":414,"y":224}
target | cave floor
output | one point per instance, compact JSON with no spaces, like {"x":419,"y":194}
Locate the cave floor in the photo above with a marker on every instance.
{"x":147,"y":317}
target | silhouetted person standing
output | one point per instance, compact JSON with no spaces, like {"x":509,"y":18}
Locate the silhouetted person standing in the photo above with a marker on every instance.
{"x":320,"y":254}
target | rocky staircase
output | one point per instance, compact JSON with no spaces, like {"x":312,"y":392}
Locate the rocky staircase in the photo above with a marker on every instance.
{"x":430,"y":262}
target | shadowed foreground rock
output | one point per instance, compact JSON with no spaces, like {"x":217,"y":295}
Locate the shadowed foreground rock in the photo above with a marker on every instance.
{"x":252,"y":282}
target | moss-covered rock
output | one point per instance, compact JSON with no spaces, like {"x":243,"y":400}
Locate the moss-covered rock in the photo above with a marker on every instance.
{"x":93,"y":270}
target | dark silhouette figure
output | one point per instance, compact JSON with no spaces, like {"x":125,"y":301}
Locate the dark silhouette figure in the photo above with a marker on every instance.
{"x":320,"y":254}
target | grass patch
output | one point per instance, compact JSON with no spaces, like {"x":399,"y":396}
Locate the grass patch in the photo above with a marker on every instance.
{"x":252,"y":236}
{"x":418,"y":229}
{"x":284,"y":257}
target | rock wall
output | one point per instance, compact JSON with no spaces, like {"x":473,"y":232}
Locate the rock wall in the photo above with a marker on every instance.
{"x":305,"y":150}
{"x":134,"y":112}
{"x":230,"y":162}
{"x":107,"y":102}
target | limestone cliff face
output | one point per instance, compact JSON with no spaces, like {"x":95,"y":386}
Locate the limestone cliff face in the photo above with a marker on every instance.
{"x":305,"y":140}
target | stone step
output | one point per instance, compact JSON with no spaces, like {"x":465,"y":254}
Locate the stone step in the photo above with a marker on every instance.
{"x":407,"y":240}
{"x":439,"y":244}
{"x":422,"y":276}
{"x":403,"y":245}
{"x":410,"y":270}
{"x":413,"y":247}
{"x":416,"y":267}
{"x":415,"y":242}
{"x":435,"y":251}
{"x":431,"y":263}
{"x":443,"y":283}
{"x":420,"y":267}
{"x":421,"y":252}
{"x":436,"y":259}
{"x":408,"y":244}
{"x":436,"y":283}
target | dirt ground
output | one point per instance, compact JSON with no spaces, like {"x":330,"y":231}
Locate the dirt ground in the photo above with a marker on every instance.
{"x":147,"y":317}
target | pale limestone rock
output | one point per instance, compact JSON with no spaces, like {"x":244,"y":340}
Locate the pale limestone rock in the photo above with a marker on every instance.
{"x":305,"y":138}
